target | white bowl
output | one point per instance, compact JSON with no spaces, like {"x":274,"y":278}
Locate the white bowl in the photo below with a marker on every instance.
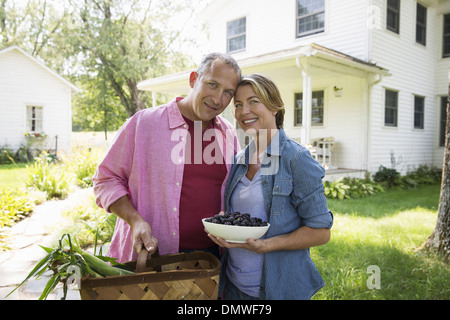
{"x":236,"y":234}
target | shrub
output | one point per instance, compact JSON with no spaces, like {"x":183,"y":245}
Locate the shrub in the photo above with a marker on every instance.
{"x":359,"y":188}
{"x":389,"y":177}
{"x":45,"y":176}
{"x":346,"y":188}
{"x":6,"y":155}
{"x":424,"y":175}
{"x":336,"y":189}
{"x":85,"y":165}
{"x":14,"y":205}
{"x":90,"y":223}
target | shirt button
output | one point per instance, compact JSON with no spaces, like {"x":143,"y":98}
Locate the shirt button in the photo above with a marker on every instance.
{"x":175,"y":209}
{"x":185,"y":126}
{"x":177,"y":183}
{"x":174,"y":234}
{"x":180,"y":160}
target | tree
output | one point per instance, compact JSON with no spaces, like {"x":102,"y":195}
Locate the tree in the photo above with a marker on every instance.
{"x":440,"y":238}
{"x":121,"y":43}
{"x":33,"y":26}
{"x":105,"y":47}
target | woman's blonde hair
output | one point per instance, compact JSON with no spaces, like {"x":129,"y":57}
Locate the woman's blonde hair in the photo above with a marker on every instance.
{"x":268,"y":93}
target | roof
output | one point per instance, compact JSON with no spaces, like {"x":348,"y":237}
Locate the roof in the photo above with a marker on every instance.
{"x":178,"y":82}
{"x":54,"y":73}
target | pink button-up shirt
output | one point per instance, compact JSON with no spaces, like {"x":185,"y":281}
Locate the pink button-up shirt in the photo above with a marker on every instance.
{"x":146,"y":161}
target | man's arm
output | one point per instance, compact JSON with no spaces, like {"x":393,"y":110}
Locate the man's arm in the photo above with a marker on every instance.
{"x":142,"y":233}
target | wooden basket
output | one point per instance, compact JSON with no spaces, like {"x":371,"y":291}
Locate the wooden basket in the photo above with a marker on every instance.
{"x":181,"y":276}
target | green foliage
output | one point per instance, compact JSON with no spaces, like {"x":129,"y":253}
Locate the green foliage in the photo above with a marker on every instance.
{"x":46,"y":176}
{"x":90,"y":223}
{"x":346,"y":188}
{"x":389,"y":177}
{"x":359,"y":188}
{"x":16,"y":204}
{"x":105,"y":47}
{"x":336,"y":189}
{"x":6,"y":155}
{"x":424,"y":175}
{"x":84,"y":164}
{"x":386,"y":230}
{"x":384,"y":178}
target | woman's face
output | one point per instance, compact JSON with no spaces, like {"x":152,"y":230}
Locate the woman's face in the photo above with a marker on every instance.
{"x":251,"y":114}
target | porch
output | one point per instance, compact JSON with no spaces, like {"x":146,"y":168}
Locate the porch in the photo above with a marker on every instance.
{"x":326,"y":94}
{"x":334,"y":174}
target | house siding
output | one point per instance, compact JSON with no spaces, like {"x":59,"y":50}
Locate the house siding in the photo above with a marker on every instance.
{"x":277,"y":30}
{"x":356,"y":28}
{"x":410,"y":64}
{"x":24,"y":82}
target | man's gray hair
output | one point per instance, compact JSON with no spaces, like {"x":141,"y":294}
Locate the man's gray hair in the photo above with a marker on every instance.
{"x":207,"y":61}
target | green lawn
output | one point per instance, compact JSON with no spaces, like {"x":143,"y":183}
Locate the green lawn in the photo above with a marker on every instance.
{"x":12,"y":175}
{"x":384,"y":230}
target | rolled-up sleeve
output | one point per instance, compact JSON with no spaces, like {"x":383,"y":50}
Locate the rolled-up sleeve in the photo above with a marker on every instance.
{"x":111,"y":178}
{"x":308,"y":192}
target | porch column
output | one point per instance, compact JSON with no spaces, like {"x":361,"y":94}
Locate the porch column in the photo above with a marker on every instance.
{"x":302,"y":63}
{"x":154,"y":98}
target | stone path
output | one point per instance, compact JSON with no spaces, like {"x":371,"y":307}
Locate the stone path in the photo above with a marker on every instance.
{"x":24,"y":239}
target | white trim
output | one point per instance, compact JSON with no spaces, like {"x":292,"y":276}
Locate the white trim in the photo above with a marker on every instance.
{"x":65,"y":81}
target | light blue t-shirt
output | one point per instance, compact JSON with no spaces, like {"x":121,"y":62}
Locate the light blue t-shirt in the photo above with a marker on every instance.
{"x":244,"y":267}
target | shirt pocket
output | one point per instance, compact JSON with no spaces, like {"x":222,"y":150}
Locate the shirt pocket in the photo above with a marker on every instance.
{"x":281,"y":192}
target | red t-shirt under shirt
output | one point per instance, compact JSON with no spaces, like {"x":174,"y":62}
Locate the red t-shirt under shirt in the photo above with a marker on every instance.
{"x":201,"y":189}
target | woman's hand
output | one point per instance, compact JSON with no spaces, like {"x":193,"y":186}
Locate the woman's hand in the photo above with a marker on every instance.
{"x":255,"y":245}
{"x":302,"y":238}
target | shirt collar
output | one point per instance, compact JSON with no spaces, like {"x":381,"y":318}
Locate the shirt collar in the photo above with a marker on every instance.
{"x":274,"y":149}
{"x":176,"y":118}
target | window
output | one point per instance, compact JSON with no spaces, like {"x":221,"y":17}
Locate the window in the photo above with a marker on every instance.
{"x":34,"y":119}
{"x":393,"y":15}
{"x":419,"y":106}
{"x":391,"y":108}
{"x":236,"y":35}
{"x":316,"y":109}
{"x":421,"y":24}
{"x":310,"y":17}
{"x":443,"y":121}
{"x":446,"y":40}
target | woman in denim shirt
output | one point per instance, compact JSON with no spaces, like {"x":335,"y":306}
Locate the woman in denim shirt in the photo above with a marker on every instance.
{"x":276,"y":179}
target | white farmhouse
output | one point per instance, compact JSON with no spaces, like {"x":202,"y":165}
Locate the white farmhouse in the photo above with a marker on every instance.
{"x":35,"y":104}
{"x":364,"y":81}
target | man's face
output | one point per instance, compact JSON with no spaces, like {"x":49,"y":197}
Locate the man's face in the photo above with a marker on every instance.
{"x":213,"y":91}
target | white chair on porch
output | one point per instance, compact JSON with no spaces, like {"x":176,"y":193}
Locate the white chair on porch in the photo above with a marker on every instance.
{"x":324,"y":148}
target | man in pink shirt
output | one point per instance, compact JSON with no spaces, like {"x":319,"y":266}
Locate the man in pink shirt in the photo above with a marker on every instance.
{"x":168,"y":166}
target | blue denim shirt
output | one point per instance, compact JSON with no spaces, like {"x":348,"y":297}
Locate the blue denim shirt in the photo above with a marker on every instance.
{"x":293,"y":197}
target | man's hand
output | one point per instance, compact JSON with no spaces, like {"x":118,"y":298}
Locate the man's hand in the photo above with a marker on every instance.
{"x":142,"y":233}
{"x":142,"y":236}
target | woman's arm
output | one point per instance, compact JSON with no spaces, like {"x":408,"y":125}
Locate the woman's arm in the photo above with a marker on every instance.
{"x":302,"y":238}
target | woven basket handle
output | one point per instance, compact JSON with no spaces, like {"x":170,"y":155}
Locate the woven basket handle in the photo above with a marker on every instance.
{"x":142,"y":259}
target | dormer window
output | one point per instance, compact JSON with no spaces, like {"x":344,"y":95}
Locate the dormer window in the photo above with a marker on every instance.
{"x":236,"y":35}
{"x":310,"y":17}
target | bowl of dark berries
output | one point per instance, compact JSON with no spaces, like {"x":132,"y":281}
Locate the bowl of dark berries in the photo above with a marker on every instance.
{"x":236,"y":227}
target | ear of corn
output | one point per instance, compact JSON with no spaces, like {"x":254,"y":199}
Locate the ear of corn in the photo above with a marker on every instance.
{"x":59,"y":260}
{"x":102,"y":267}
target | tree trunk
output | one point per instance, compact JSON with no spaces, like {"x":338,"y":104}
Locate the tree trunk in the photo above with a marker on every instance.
{"x":440,"y":238}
